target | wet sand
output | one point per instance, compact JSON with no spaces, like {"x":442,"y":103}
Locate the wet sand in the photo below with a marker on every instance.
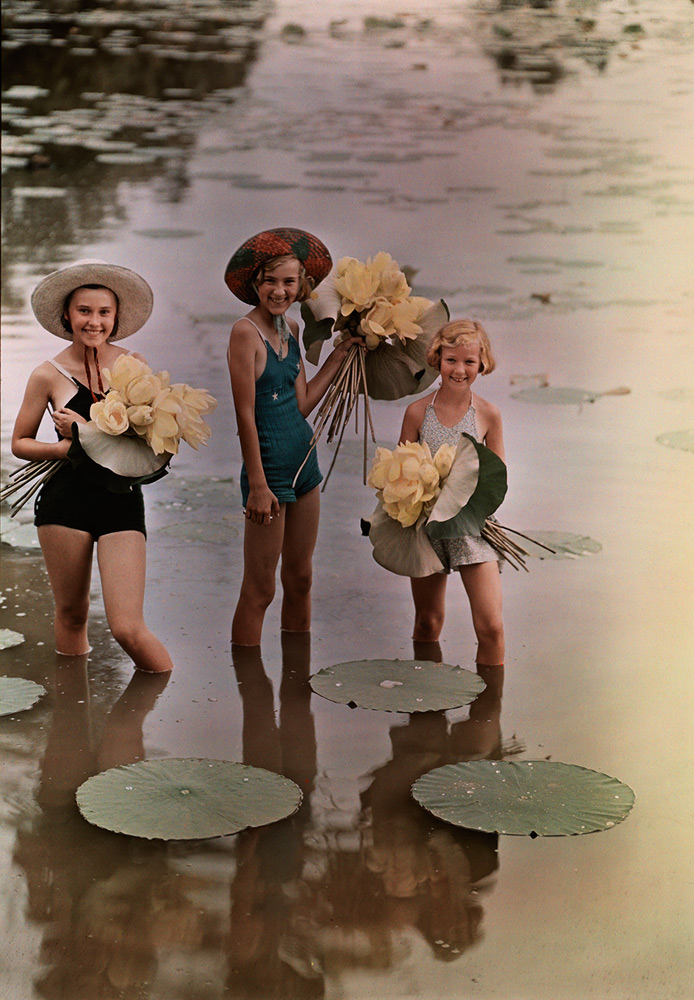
{"x":556,"y":209}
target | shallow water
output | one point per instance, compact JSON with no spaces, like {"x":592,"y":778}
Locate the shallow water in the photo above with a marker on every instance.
{"x":534,"y":165}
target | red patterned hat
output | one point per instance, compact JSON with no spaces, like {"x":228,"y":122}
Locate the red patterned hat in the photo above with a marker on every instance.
{"x":271,"y":243}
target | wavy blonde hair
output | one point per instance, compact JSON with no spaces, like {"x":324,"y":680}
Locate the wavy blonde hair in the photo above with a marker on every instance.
{"x":457,"y":333}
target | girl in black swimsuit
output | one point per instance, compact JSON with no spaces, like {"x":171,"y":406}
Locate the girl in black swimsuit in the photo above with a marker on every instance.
{"x":90,"y":304}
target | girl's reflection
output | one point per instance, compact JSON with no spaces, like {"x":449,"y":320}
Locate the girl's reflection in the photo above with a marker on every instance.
{"x":89,"y":888}
{"x":270,"y":859}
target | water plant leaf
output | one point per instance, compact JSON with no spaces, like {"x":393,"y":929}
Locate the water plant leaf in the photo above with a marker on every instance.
{"x":683,"y":440}
{"x":398,"y":685}
{"x":17,"y":694}
{"x":120,"y":460}
{"x":8,"y":638}
{"x":186,"y":798}
{"x":18,"y":536}
{"x":556,"y":395}
{"x":564,"y":544}
{"x":489,"y":491}
{"x":403,"y":551}
{"x":525,"y":798}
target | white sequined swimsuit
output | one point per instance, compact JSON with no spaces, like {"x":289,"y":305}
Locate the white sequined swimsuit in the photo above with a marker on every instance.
{"x":467,"y":549}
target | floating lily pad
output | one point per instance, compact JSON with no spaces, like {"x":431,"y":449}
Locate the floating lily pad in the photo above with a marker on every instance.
{"x":683,"y":440}
{"x":536,"y":798}
{"x":167,"y":234}
{"x":8,"y":638}
{"x":186,"y":798}
{"x":19,"y":536}
{"x":557,"y":395}
{"x":210,"y":532}
{"x":398,"y":685}
{"x":563,"y":543}
{"x":17,"y":694}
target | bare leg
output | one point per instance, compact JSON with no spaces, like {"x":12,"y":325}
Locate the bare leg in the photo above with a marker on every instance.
{"x":67,"y":553}
{"x":482,"y":583}
{"x":262,"y":545}
{"x":121,"y":556}
{"x":429,"y":594}
{"x":300,"y":534}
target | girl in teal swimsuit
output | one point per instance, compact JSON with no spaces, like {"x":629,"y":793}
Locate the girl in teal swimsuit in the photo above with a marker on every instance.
{"x":272,"y":399}
{"x":90,"y":304}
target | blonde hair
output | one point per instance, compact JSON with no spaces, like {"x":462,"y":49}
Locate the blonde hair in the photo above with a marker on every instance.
{"x":268,"y":266}
{"x":456,"y":334}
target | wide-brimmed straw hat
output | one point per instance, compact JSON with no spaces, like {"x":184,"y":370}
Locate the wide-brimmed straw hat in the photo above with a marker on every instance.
{"x":307,"y":248}
{"x":135,"y":298}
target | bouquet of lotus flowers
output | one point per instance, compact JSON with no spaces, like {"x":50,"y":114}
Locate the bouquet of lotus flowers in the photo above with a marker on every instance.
{"x":371,"y":300}
{"x":449,"y":494}
{"x":132,"y":433}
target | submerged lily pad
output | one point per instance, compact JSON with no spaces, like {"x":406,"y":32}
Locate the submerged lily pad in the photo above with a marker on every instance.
{"x":683,"y":440}
{"x":536,"y":798}
{"x":398,"y":685}
{"x":186,"y":798}
{"x":17,"y":694}
{"x":8,"y":638}
{"x":558,"y":395}
{"x":564,"y":544}
{"x":19,"y":536}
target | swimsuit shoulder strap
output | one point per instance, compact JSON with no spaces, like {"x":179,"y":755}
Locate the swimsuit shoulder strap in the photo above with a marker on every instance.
{"x":63,"y":371}
{"x":260,"y":332}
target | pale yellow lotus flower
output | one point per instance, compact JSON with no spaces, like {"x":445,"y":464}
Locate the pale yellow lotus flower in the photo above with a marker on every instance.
{"x":141,"y":389}
{"x":125,"y":369}
{"x":199,"y":399}
{"x":392,"y":283}
{"x":378,"y":320}
{"x":163,"y":433}
{"x":140,"y":417}
{"x":356,"y":284}
{"x":443,"y":460}
{"x":404,"y":318}
{"x":110,"y":414}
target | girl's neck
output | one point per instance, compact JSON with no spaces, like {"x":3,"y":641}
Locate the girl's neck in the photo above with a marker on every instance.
{"x":453,"y":402}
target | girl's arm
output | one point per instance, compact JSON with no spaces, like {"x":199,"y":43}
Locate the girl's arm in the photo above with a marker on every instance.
{"x":309,"y":394}
{"x":412,"y":421}
{"x":241,"y":353}
{"x":494,"y":435}
{"x":36,"y":399}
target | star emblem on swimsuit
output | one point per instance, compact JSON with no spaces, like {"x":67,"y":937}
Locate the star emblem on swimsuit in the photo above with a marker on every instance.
{"x":275,"y":396}
{"x":298,"y":366}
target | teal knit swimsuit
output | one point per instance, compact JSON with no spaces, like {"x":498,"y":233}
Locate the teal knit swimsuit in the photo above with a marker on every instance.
{"x":284,"y":434}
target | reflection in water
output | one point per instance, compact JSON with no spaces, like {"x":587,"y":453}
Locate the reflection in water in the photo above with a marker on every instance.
{"x":99,"y":897}
{"x":308,"y":901}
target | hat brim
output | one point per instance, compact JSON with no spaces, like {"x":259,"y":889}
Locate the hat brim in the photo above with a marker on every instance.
{"x":306,"y":247}
{"x":135,"y":298}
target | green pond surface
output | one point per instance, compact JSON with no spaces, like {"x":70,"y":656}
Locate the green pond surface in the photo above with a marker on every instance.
{"x":532,"y":163}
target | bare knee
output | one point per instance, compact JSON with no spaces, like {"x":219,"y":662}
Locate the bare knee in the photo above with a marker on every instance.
{"x":72,"y":615}
{"x":258,"y":594}
{"x":296,"y":584}
{"x":126,"y":631}
{"x":428,"y":625}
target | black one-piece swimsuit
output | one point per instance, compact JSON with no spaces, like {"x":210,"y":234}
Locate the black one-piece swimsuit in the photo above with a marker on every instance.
{"x":75,"y":499}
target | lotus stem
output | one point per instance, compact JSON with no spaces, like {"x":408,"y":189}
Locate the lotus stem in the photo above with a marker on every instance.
{"x":42,"y":473}
{"x":528,"y":538}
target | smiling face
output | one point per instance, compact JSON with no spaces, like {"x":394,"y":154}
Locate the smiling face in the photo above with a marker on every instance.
{"x":461,"y":365}
{"x":279,"y":287}
{"x":91,"y":315}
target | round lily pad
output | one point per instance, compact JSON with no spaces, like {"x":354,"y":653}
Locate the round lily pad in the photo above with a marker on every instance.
{"x":557,"y":395}
{"x":564,"y":544}
{"x":683,"y":440}
{"x":536,"y":798}
{"x":17,"y":694}
{"x":186,"y":798}
{"x":398,"y":685}
{"x":9,"y":638}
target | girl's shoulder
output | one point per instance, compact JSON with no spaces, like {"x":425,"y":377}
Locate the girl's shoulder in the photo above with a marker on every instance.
{"x":418,"y":408}
{"x":490,"y":412}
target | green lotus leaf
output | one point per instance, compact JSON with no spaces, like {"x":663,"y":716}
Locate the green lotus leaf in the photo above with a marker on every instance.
{"x":460,"y":483}
{"x":683,"y":440}
{"x":316,"y":332}
{"x":8,"y":638}
{"x":186,"y":798}
{"x":404,"y":551}
{"x":17,"y":694}
{"x":564,"y":544}
{"x":488,"y":494}
{"x":558,"y":395}
{"x":536,"y":798}
{"x":118,"y":460}
{"x":398,"y":685}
